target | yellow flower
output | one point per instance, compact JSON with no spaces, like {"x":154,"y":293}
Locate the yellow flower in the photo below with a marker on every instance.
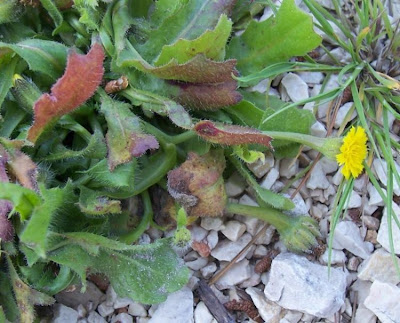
{"x":353,"y":152}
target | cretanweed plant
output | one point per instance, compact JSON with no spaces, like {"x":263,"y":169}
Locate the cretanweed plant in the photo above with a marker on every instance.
{"x":104,"y":102}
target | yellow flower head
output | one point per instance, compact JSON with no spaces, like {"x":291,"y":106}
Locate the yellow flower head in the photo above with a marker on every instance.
{"x":353,"y":152}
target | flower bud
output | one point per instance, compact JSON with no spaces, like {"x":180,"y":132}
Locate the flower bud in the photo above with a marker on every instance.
{"x":26,"y":93}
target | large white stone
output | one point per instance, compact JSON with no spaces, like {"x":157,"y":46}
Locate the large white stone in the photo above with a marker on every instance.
{"x":374,"y":197}
{"x":122,"y":318}
{"x":202,"y":314}
{"x":233,"y":230}
{"x":317,"y":178}
{"x":295,"y":87}
{"x":289,"y":167}
{"x":337,"y":257}
{"x":261,"y":167}
{"x":355,"y":200}
{"x":227,"y":250}
{"x":269,"y":311}
{"x":298,"y":284}
{"x":211,"y":223}
{"x":379,"y":266}
{"x":383,"y":233}
{"x":235,"y":185}
{"x":347,"y":236}
{"x":64,"y":314}
{"x":384,"y":301}
{"x":318,"y":129}
{"x":343,"y":111}
{"x":270,"y":179}
{"x":237,"y":274}
{"x":178,"y":307}
{"x":380,"y":167}
{"x":311,"y":77}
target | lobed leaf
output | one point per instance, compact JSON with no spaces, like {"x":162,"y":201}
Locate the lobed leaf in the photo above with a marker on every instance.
{"x":95,"y":203}
{"x":82,"y":76}
{"x":289,"y":33}
{"x":125,"y":139}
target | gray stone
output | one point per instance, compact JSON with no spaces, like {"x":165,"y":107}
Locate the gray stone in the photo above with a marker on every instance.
{"x":379,"y":266}
{"x":347,"y":236}
{"x":261,"y":167}
{"x":202,"y":314}
{"x":328,"y":165}
{"x":227,"y":250}
{"x":341,"y":115}
{"x":355,"y":200}
{"x":260,"y":251}
{"x":94,"y":317}
{"x":81,"y":310}
{"x":300,"y":207}
{"x":198,"y":233}
{"x":298,"y":284}
{"x":380,"y":167}
{"x":197,"y":264}
{"x":318,"y":130}
{"x":237,"y":274}
{"x":319,"y":210}
{"x":111,"y":296}
{"x":177,"y":308}
{"x":289,"y":167}
{"x":208,"y":270}
{"x":74,"y":298}
{"x":371,"y":222}
{"x":122,"y":318}
{"x":105,"y":310}
{"x":247,"y":200}
{"x":374,"y":197}
{"x":269,"y":311}
{"x":384,"y":301}
{"x":311,"y":77}
{"x":295,"y":87}
{"x":211,"y":223}
{"x":233,"y":230}
{"x":137,"y":309}
{"x":270,"y":179}
{"x":64,"y":314}
{"x":317,"y":178}
{"x":339,"y":54}
{"x":364,"y":315}
{"x":383,"y":233}
{"x":212,"y":239}
{"x":235,"y":185}
{"x":337,"y":257}
{"x":122,"y":302}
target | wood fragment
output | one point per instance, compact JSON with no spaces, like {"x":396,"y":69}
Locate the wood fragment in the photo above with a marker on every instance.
{"x":244,"y":305}
{"x":216,"y":308}
{"x":265,"y":263}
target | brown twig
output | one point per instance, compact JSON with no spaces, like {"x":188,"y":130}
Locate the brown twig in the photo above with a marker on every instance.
{"x":246,"y":306}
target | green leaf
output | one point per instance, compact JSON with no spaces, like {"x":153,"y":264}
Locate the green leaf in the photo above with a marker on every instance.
{"x":247,"y":155}
{"x":95,"y":203}
{"x":246,"y":114}
{"x":189,"y":20}
{"x":125,"y":138}
{"x":35,"y":233}
{"x":53,"y":12}
{"x":24,"y":200}
{"x":26,"y":297}
{"x":146,"y":273}
{"x":6,"y":74}
{"x":7,"y":300}
{"x":290,"y":33}
{"x":43,"y":56}
{"x":212,"y":44}
{"x":122,"y":177}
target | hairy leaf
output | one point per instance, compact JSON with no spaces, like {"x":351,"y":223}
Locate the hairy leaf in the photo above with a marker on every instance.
{"x":43,"y":56}
{"x":82,"y":76}
{"x":211,"y":43}
{"x":290,"y":33}
{"x":230,"y":135}
{"x":6,"y":75}
{"x":26,"y":297}
{"x":145,"y":273}
{"x":125,"y":139}
{"x":6,"y":227}
{"x":94,"y":203}
{"x":35,"y":232}
{"x":198,"y":185}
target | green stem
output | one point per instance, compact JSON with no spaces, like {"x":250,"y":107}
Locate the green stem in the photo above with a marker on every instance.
{"x":177,"y":139}
{"x":278,"y":219}
{"x":131,"y":237}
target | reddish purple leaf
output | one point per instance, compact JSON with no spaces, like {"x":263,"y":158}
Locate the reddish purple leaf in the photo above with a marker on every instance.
{"x":82,"y":76}
{"x":231,"y":135}
{"x":6,"y":227}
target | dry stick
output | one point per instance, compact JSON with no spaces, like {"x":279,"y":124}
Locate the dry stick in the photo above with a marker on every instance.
{"x":222,"y":272}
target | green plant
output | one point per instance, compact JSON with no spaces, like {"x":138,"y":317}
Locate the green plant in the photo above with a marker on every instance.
{"x":179,"y":116}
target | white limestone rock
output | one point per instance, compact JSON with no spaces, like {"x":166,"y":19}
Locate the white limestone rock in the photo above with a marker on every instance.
{"x":227,"y":250}
{"x":355,"y":200}
{"x":178,"y":307}
{"x":270,"y":179}
{"x":247,"y":200}
{"x":208,"y":270}
{"x":383,"y":233}
{"x":122,"y":318}
{"x":121,"y":302}
{"x":211,"y":223}
{"x":137,"y":309}
{"x":337,"y":257}
{"x":197,"y":264}
{"x":380,"y":167}
{"x":269,"y":311}
{"x":212,"y":239}
{"x":347,"y":236}
{"x":374,"y":197}
{"x":311,"y":77}
{"x":105,"y":310}
{"x":93,"y":317}
{"x":237,"y":274}
{"x":318,"y":130}
{"x":298,"y":284}
{"x":72,"y":299}
{"x":379,"y":266}
{"x":289,"y":167}
{"x":235,"y":185}
{"x":260,"y":167}
{"x":384,"y":301}
{"x":64,"y":314}
{"x":295,"y":87}
{"x":341,"y":115}
{"x":202,"y":314}
{"x":328,"y":165}
{"x":317,"y":178}
{"x":233,"y":230}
